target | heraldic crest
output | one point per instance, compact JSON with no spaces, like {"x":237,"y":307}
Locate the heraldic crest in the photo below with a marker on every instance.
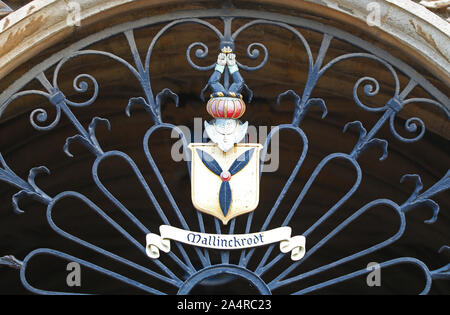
{"x":225,"y":171}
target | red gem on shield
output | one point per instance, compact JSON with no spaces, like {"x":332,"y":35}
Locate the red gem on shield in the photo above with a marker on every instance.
{"x":225,"y":176}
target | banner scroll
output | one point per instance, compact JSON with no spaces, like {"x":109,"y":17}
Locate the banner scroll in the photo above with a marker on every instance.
{"x":295,"y":245}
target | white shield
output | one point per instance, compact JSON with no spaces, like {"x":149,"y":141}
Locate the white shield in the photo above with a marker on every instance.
{"x":241,"y":192}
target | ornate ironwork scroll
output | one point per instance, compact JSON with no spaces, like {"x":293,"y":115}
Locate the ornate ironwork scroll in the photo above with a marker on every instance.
{"x":152,"y":103}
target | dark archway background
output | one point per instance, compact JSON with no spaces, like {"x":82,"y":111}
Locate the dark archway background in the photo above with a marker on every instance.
{"x":23,"y":148}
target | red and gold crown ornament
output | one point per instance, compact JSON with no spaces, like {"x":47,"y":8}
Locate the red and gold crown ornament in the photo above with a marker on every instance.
{"x":226,"y":107}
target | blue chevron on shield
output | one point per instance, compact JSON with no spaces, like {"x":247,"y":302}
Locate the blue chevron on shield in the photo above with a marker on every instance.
{"x":225,"y":184}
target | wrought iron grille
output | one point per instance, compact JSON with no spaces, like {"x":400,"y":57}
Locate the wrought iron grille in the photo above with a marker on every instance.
{"x":152,"y":102}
